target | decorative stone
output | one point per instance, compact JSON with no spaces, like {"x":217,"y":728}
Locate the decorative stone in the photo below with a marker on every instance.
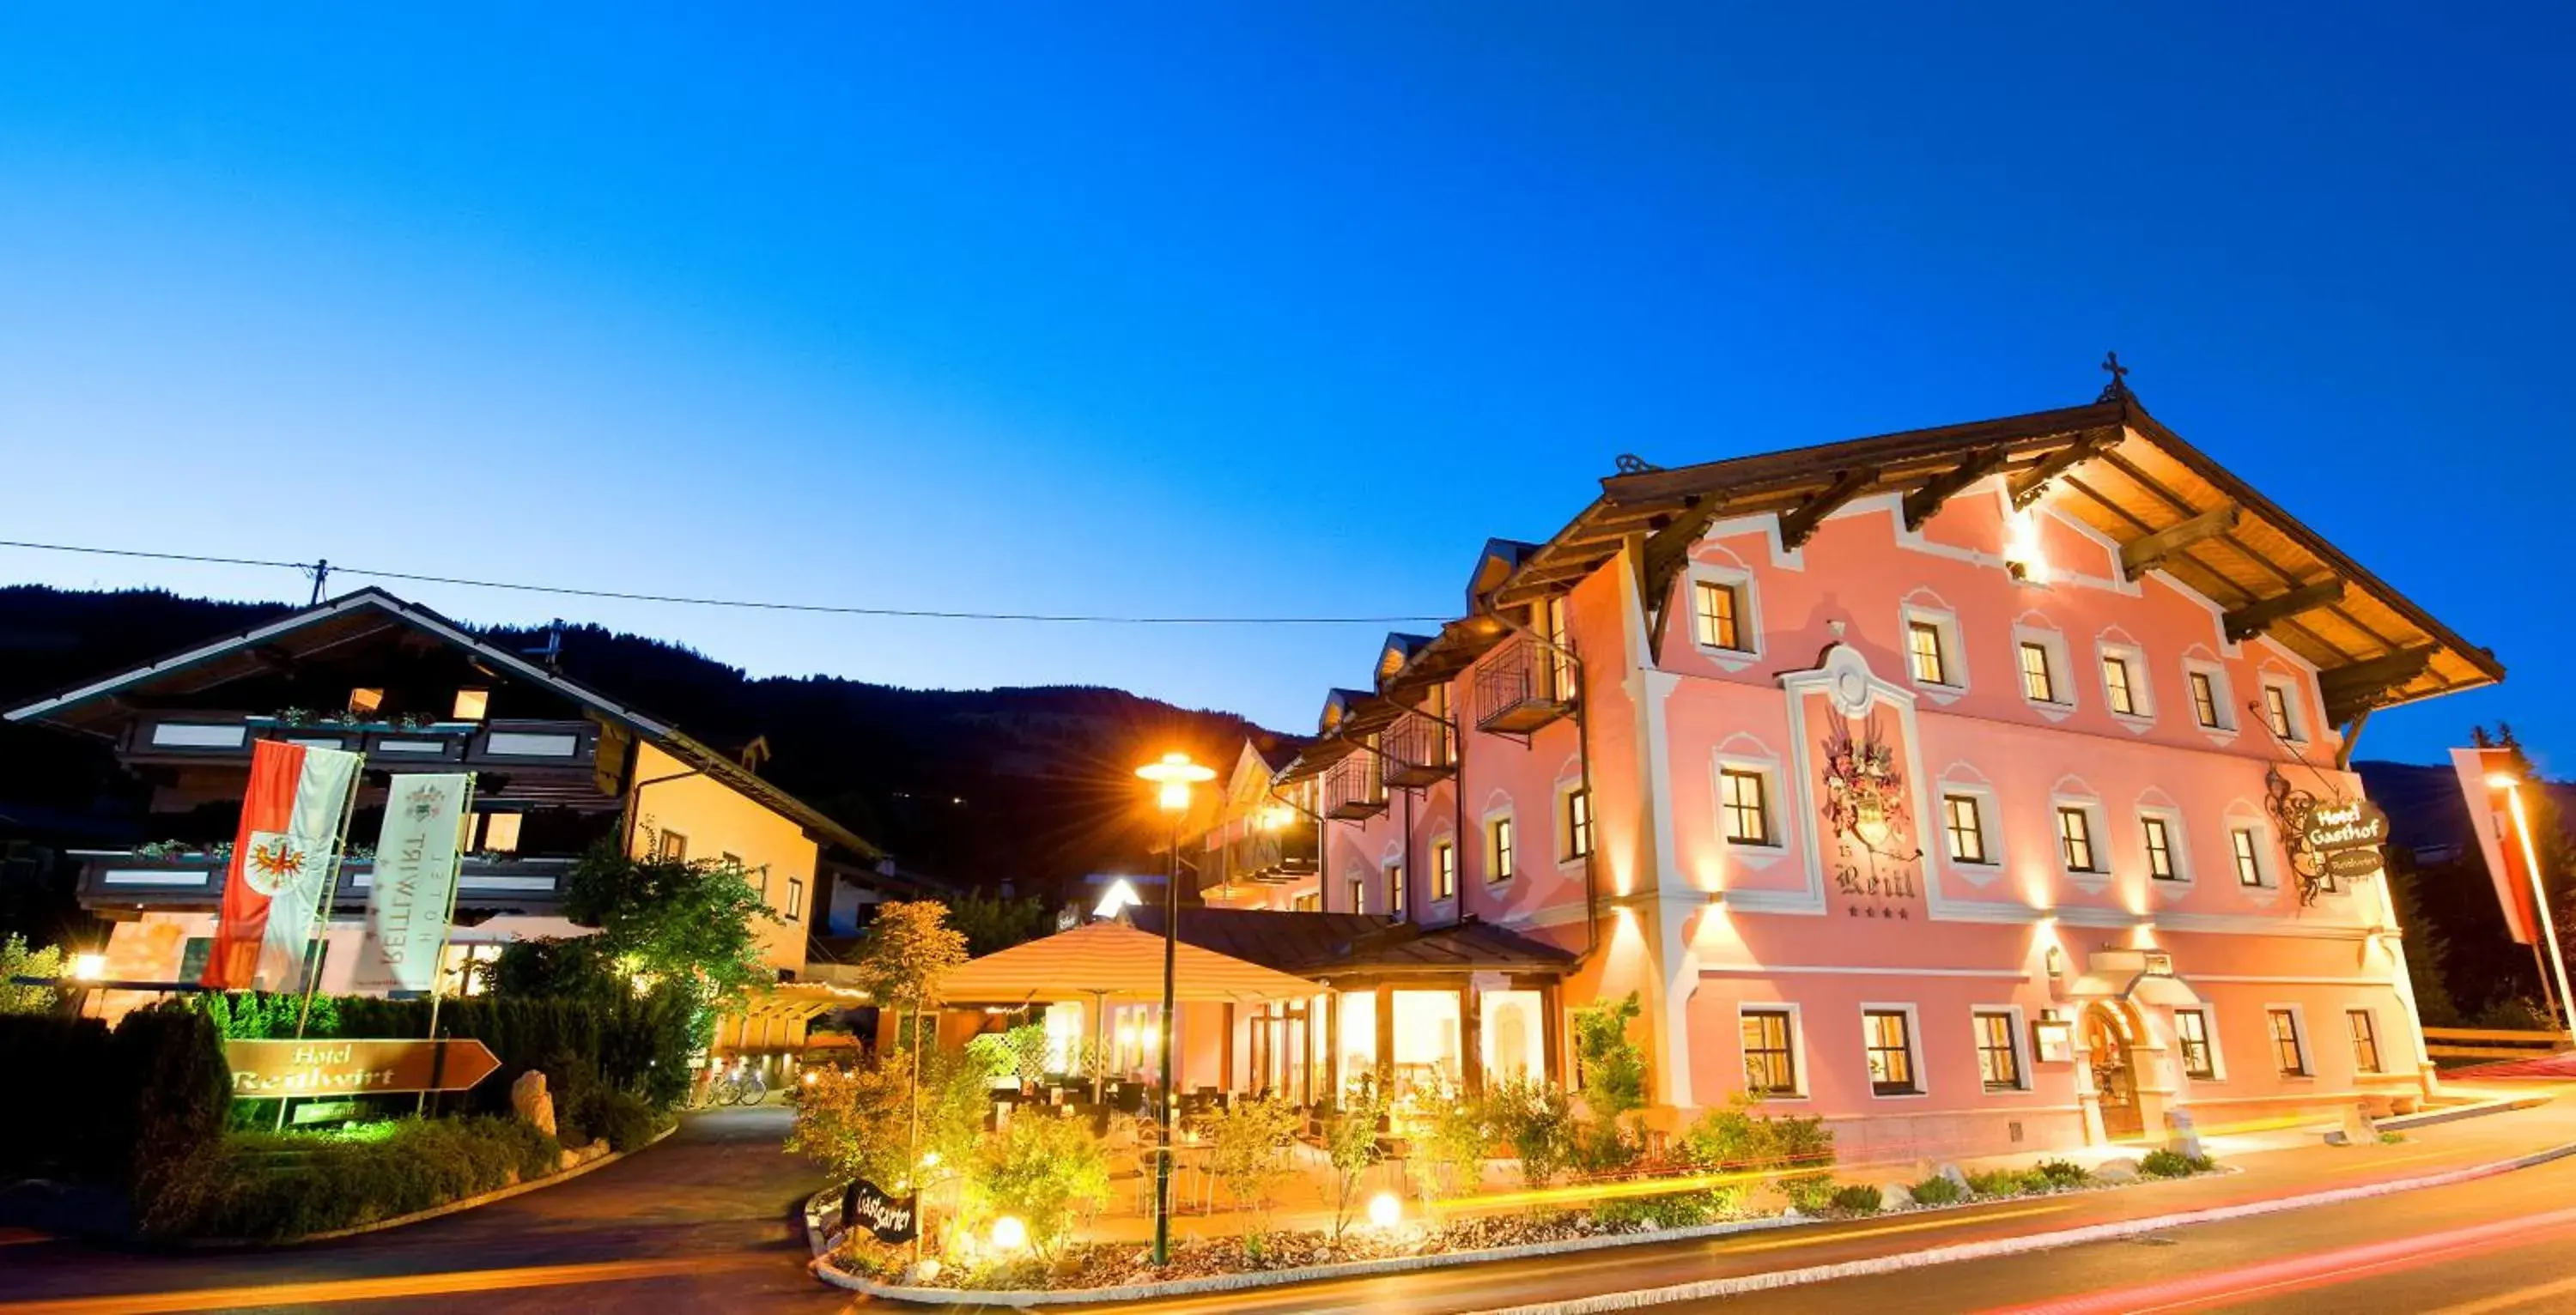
{"x":1894,"y":1196}
{"x":533,"y":1102}
{"x":2186,"y":1136}
{"x":2121,"y":1170}
{"x":1954,"y":1174}
{"x":919,"y":1275}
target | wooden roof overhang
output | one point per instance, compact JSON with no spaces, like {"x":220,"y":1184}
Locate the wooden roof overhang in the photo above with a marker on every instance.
{"x":2121,"y":472}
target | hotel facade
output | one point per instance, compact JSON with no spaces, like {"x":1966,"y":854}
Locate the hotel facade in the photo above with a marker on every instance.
{"x":1960,"y":786}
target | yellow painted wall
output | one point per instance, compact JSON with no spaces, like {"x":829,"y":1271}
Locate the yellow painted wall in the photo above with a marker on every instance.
{"x":718,"y":821}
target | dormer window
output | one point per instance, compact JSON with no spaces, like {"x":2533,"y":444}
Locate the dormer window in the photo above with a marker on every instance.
{"x":472,"y":704}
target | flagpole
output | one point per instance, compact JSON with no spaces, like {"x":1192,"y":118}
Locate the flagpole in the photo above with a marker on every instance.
{"x":447,"y":928}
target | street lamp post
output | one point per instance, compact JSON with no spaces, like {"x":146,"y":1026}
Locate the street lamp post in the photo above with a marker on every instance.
{"x":1172,"y":775}
{"x":2512,"y":787}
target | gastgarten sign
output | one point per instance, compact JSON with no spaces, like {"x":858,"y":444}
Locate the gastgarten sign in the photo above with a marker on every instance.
{"x":890,"y":1218}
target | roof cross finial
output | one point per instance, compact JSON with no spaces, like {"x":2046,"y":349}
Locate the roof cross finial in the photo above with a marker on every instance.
{"x":2118,"y":388}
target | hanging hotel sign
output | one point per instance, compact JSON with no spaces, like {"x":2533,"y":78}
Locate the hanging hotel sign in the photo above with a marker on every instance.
{"x":355,"y":1068}
{"x":2353,"y":824}
{"x":2326,"y":839}
{"x":889,"y":1218}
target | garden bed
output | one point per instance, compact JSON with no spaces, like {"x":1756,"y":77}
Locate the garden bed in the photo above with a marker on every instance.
{"x":1101,"y":1272}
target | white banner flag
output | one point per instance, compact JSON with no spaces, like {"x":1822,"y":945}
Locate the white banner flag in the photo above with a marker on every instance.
{"x":415,"y":877}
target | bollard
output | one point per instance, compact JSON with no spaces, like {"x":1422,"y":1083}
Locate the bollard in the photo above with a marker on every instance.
{"x":2185,"y":1141}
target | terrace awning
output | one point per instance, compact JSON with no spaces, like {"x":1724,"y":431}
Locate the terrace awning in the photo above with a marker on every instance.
{"x":1111,"y":960}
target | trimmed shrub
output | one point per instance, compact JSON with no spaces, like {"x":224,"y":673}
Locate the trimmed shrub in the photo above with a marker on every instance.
{"x":1858,"y":1199}
{"x":2062,"y":1173}
{"x":1936,"y":1190}
{"x":153,"y":1089}
{"x":620,"y":1118}
{"x":2174,"y":1164}
{"x":2006,"y":1182}
{"x":271,"y":1186}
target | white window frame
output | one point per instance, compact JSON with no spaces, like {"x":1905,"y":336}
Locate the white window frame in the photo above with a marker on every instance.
{"x":1748,"y":613}
{"x":2378,"y":1042}
{"x":2061,"y":671}
{"x":2217,"y":1053}
{"x":2299,"y":1033}
{"x":2264,"y":865}
{"x":1913,"y":1050}
{"x":2222,"y":697}
{"x":1769,"y":774}
{"x":1989,"y":828}
{"x":2020,"y":1046}
{"x":1485,"y":829}
{"x":2142,"y":692}
{"x":2097,"y":834}
{"x":2294,"y":707}
{"x":2177,"y":844}
{"x":1797,"y":1044}
{"x":1954,"y":650}
{"x":1564,"y":815}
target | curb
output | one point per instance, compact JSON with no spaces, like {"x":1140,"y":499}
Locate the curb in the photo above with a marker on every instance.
{"x":1707,"y":1289}
{"x":457,"y":1206}
{"x":2430,"y":1117}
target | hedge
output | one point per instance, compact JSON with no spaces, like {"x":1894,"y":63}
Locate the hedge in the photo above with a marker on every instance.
{"x":265,"y":1186}
{"x":88,"y":1104}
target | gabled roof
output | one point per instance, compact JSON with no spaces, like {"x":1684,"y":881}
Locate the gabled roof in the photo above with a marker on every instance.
{"x":2124,"y":475}
{"x":356,"y":616}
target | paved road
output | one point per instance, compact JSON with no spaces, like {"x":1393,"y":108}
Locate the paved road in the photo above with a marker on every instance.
{"x":707,"y":1221}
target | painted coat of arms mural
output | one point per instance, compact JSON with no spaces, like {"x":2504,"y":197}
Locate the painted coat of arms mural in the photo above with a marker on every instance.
{"x":1873,"y":857}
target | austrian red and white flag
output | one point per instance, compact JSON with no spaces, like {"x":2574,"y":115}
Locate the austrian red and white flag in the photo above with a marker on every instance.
{"x":2491,"y":816}
{"x":291,"y":824}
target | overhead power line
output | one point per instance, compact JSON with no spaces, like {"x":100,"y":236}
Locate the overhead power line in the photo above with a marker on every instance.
{"x":320,"y":570}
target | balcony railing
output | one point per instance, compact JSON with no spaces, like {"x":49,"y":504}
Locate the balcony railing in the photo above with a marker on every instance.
{"x":195,"y":737}
{"x":121,"y":879}
{"x":1419,"y":750}
{"x":1522,"y":686}
{"x":1353,"y":788}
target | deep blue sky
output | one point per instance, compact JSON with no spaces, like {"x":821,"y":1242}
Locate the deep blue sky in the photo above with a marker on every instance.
{"x":1226,"y":309}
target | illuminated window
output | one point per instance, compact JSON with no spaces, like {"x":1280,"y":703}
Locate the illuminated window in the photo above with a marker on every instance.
{"x":1717,"y":615}
{"x":464,"y":969}
{"x":1359,"y":894}
{"x":1444,"y":869}
{"x":2038,"y":679}
{"x":1741,"y":795}
{"x":2123,"y":696}
{"x":795,"y":898}
{"x":2160,"y":856}
{"x":1888,"y":1037}
{"x":471,"y":704}
{"x":1513,"y":1029}
{"x":1770,"y":1061}
{"x":2277,"y":711}
{"x":2204,"y":701}
{"x":1358,"y":1033}
{"x":1309,"y":902}
{"x":2288,"y":1050}
{"x":365,"y":701}
{"x":1560,"y":667}
{"x":1578,"y":824}
{"x":1967,"y":828}
{"x":2191,"y":1028}
{"x":501,"y":833}
{"x":2249,"y":858}
{"x":1437,"y":708}
{"x":1998,"y":1050}
{"x":671,"y":844}
{"x":1498,"y":849}
{"x":2075,"y":839}
{"x":1066,"y":1037}
{"x":2365,"y":1040}
{"x":1427,"y":1040}
{"x":1924,"y":648}
{"x":1394,"y":874}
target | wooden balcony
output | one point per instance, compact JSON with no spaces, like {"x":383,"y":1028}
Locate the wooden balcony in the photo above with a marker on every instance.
{"x":171,"y":738}
{"x":1269,"y":858}
{"x":1521,"y":686}
{"x":114,"y":880}
{"x":1419,"y":751}
{"x":1354,"y":790}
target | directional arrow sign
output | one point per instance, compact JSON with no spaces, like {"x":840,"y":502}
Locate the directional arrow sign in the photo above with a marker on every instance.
{"x":348,"y":1068}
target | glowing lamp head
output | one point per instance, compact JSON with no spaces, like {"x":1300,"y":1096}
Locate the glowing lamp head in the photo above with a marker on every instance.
{"x":1385,"y":1211}
{"x":1009,"y":1234}
{"x":89,"y":967}
{"x":2502,"y":780}
{"x":811,"y":1077}
{"x":1173,"y":775}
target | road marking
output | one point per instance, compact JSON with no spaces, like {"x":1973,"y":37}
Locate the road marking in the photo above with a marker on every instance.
{"x":2509,"y":1300}
{"x":375,"y":1289}
{"x":1775,"y":1244}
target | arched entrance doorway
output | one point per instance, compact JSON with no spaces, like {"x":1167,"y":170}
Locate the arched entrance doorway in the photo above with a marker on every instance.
{"x":2108,"y":1036}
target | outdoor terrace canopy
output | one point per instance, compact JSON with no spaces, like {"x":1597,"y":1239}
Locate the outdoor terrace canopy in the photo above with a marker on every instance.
{"x":1111,"y":960}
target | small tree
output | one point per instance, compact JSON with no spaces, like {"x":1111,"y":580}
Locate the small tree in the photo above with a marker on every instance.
{"x":858,"y":1122}
{"x":1351,"y":1146}
{"x":991,"y":922}
{"x":1448,"y":1144}
{"x":1536,"y":1120}
{"x":1613,"y":1066}
{"x":907,"y":949}
{"x":671,"y":918}
{"x":1042,"y":1171}
{"x":17,"y":960}
{"x":1249,"y":1144}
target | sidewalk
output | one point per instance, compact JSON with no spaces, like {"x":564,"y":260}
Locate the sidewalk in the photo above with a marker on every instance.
{"x":2291,"y":1162}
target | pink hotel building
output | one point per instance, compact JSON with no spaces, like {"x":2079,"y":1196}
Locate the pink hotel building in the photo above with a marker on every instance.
{"x":1947,"y":784}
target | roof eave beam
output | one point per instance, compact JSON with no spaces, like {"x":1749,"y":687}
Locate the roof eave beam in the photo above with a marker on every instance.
{"x":2142,"y":554}
{"x":1799,"y":523}
{"x":1924,"y":501}
{"x":2028,"y":485}
{"x":2349,"y":691}
{"x":2252,"y":619}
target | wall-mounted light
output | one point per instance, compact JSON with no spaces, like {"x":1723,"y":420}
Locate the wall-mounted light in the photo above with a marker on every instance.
{"x":2056,"y":961}
{"x":89,"y":967}
{"x":2023,"y":555}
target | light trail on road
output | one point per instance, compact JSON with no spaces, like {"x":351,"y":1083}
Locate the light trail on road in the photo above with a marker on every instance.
{"x":326,"y":1291}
